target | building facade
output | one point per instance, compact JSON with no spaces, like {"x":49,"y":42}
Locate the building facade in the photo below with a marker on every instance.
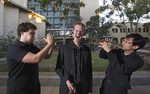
{"x":20,"y":2}
{"x":12,"y":14}
{"x":1,"y":17}
{"x":118,"y":31}
{"x":54,"y":14}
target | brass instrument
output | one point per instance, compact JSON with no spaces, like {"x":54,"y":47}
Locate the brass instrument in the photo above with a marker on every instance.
{"x":114,"y":45}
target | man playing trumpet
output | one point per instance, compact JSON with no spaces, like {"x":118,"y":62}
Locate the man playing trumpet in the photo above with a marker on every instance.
{"x":122,"y":63}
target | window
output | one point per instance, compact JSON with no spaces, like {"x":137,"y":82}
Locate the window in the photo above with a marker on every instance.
{"x":44,"y":14}
{"x":50,"y":14}
{"x":116,"y":30}
{"x":56,"y":20}
{"x":128,"y":29}
{"x":113,"y":30}
{"x":139,"y":29}
{"x":143,"y":29}
{"x":50,"y":20}
{"x":57,"y":14}
{"x":120,"y":30}
{"x":124,"y":30}
{"x":147,"y":29}
{"x":49,"y":7}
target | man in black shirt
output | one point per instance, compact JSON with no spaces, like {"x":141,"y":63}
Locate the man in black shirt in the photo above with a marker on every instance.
{"x":122,"y":63}
{"x":74,"y":64}
{"x":23,"y":58}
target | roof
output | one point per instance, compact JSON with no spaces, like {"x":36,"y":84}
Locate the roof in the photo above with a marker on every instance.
{"x":13,"y":4}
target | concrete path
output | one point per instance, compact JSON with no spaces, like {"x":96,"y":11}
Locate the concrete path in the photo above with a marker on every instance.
{"x":140,"y":83}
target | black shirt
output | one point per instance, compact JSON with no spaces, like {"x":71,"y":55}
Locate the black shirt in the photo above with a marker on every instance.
{"x":121,"y":67}
{"x":78,"y":53}
{"x":23,"y":78}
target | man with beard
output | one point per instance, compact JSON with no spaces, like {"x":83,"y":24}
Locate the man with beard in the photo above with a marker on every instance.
{"x":74,"y":65}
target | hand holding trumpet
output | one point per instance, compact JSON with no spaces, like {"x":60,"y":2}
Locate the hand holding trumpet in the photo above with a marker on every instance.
{"x":105,"y":44}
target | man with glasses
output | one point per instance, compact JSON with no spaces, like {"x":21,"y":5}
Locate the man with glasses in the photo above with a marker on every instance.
{"x":122,"y":63}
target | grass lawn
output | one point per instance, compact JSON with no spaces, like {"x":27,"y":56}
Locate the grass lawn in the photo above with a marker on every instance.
{"x":3,"y":67}
{"x":99,"y":64}
{"x":50,"y":64}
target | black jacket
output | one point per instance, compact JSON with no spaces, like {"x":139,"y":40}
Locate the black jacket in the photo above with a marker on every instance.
{"x":66,"y":67}
{"x":121,"y":67}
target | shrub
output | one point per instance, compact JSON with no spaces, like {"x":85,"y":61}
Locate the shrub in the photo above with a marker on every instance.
{"x":4,"y":42}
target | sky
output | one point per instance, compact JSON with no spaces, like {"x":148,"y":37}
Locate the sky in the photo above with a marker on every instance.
{"x":106,"y":2}
{"x":114,"y":16}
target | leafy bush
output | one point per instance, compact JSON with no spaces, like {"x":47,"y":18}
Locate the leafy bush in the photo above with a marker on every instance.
{"x":4,"y":42}
{"x":39,"y":43}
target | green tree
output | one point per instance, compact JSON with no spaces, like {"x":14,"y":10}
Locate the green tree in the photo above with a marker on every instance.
{"x":4,"y":42}
{"x":65,"y":7}
{"x":135,"y":10}
{"x":96,"y":28}
{"x":69,"y":5}
{"x":127,"y":11}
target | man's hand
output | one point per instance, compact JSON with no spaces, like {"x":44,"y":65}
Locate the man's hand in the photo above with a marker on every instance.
{"x":49,"y":39}
{"x":70,"y":86}
{"x":105,"y":45}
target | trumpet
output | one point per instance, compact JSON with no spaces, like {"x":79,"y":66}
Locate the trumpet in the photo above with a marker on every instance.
{"x":114,"y":44}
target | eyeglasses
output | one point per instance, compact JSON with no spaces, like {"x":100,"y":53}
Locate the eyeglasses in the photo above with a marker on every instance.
{"x":126,"y":41}
{"x":32,"y":33}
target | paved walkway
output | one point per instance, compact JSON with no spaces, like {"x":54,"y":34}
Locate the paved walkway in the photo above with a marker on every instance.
{"x":140,"y":83}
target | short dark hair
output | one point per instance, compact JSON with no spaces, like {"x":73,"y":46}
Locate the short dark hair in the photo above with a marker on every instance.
{"x":24,"y":27}
{"x":138,"y":40}
{"x":79,"y":23}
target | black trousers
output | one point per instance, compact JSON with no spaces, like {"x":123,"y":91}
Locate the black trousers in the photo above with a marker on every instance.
{"x":108,"y":88}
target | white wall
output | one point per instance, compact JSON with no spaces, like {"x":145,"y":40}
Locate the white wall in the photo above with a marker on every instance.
{"x":10,"y":17}
{"x":89,"y":9}
{"x":23,"y":17}
{"x":21,"y":2}
{"x":10,"y":20}
{"x":1,"y":18}
{"x":40,"y":29}
{"x":40,"y":32}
